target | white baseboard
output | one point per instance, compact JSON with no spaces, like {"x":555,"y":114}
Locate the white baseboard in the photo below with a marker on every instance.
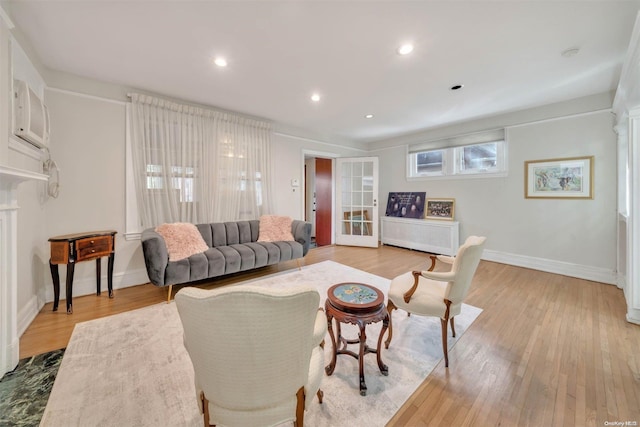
{"x":587,"y":272}
{"x":27,"y":313}
{"x":87,"y":286}
{"x":633,"y":316}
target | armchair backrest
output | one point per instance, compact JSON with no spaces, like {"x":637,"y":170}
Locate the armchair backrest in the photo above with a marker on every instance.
{"x":464,"y":267}
{"x":250,"y":346}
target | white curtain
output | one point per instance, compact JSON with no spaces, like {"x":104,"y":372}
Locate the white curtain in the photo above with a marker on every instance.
{"x":197,"y":165}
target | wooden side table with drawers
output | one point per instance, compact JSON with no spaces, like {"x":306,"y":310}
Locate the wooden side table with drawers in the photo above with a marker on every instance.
{"x":71,"y":248}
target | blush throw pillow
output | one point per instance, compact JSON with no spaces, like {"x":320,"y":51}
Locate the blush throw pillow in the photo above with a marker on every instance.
{"x":274,"y":228}
{"x":182,"y":239}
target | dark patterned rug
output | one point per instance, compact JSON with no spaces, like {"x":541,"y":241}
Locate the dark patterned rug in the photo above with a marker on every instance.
{"x":25,"y":390}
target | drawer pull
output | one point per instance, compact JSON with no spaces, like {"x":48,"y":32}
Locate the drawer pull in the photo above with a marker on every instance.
{"x":93,"y":251}
{"x":92,"y":242}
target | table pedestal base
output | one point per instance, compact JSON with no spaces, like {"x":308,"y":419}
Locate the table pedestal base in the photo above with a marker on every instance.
{"x":340,"y":343}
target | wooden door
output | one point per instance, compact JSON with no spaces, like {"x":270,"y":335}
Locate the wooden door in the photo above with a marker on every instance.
{"x":323,"y":202}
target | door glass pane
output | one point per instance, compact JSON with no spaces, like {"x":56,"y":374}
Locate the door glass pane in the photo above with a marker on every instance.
{"x":357,"y":169}
{"x":367,"y":183}
{"x":356,"y":199}
{"x":357,"y":183}
{"x":368,"y":170}
{"x":367,"y":199}
{"x":346,"y":200}
{"x":346,"y":227}
{"x":346,"y":170}
{"x":346,"y":184}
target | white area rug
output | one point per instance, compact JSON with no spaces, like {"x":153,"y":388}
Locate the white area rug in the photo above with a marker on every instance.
{"x":131,"y":369}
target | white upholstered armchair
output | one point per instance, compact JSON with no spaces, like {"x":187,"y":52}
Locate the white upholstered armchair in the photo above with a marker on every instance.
{"x":438,"y":294}
{"x":256,"y":352}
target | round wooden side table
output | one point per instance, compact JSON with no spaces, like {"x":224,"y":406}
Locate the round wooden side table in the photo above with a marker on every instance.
{"x":358,"y":304}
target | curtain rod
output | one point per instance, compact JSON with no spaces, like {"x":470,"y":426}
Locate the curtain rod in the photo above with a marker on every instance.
{"x":84,"y":95}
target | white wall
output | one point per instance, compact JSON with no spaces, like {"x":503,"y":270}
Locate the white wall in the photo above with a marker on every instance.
{"x":288,"y":159}
{"x":574,"y":237}
{"x":575,"y":231}
{"x":88,"y":143}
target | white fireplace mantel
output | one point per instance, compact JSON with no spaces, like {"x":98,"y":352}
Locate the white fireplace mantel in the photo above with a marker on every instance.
{"x":10,"y":178}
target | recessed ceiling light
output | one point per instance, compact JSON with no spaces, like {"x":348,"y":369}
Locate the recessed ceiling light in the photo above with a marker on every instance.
{"x":369,"y":116}
{"x":315,"y":97}
{"x":456,"y":87}
{"x":568,"y":53}
{"x":405,"y":49}
{"x":220,"y":62}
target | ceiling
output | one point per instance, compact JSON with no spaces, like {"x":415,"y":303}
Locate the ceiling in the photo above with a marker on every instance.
{"x":507,"y":54}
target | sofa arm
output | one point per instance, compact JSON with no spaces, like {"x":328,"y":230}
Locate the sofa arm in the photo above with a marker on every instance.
{"x":301,"y":231}
{"x":156,"y":255}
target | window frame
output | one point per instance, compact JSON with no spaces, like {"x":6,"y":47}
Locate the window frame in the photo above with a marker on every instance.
{"x":452,"y":159}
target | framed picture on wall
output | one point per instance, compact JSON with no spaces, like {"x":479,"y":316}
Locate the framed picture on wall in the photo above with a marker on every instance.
{"x":440,"y":209}
{"x":569,"y":178}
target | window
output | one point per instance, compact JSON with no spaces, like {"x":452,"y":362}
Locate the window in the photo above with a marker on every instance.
{"x":181,"y":180}
{"x":487,"y":158}
{"x":430,"y":162}
{"x":477,"y":158}
{"x":189,"y":164}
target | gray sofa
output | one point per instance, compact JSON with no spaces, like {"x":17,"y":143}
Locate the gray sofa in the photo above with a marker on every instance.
{"x":233,"y":247}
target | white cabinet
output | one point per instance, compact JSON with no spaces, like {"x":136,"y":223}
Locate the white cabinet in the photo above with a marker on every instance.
{"x":439,"y":237}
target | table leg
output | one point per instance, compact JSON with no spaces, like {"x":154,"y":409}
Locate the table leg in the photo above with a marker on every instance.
{"x":98,"y":274}
{"x":332,"y":365}
{"x":385,"y":324}
{"x":110,"y":274}
{"x":55,"y":276}
{"x":70,"y":268}
{"x":363,"y":344}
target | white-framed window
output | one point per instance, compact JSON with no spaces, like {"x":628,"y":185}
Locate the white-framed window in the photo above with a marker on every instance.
{"x":188,"y":164}
{"x":457,"y":157}
{"x":181,"y":179}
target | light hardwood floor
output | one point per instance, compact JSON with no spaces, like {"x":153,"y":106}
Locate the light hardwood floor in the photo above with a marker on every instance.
{"x":547,"y":350}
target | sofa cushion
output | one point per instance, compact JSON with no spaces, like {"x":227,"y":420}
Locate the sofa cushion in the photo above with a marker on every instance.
{"x":274,"y":228}
{"x":182,"y":240}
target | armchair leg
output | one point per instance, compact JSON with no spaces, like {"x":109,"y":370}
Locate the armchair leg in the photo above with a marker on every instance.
{"x":390,"y":307}
{"x":320,"y":395}
{"x":453,"y":328}
{"x":444,"y":320}
{"x":169,"y":294}
{"x":445,"y":349}
{"x":299,"y":264}
{"x":205,"y":409}
{"x":299,"y":422}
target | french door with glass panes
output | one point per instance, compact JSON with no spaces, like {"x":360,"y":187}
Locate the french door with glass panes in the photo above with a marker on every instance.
{"x":357,"y":201}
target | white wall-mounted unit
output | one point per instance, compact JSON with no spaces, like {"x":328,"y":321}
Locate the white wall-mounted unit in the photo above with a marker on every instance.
{"x":439,"y":237}
{"x":31,"y":117}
